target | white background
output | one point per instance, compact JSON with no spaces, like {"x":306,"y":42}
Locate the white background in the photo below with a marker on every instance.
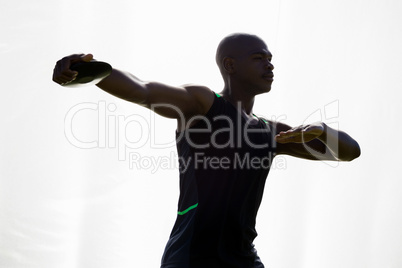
{"x":65,"y":206}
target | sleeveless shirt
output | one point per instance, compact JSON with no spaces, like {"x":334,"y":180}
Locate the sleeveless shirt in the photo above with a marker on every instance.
{"x":224,"y":160}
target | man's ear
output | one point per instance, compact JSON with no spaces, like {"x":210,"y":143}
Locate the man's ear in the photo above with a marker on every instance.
{"x":228,"y":64}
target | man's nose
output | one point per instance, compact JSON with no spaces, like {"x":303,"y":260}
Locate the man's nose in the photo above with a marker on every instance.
{"x":269,"y":65}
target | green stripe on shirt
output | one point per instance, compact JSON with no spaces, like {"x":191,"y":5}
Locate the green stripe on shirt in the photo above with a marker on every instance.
{"x":187,"y":210}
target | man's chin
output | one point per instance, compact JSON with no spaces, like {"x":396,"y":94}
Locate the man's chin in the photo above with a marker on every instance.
{"x":264,"y":91}
{"x":261,"y":89}
{"x":267,"y":89}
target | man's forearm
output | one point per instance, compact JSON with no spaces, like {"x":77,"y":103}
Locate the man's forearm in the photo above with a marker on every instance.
{"x":124,"y":86}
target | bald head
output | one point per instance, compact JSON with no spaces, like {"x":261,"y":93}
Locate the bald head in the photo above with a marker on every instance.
{"x":233,"y":46}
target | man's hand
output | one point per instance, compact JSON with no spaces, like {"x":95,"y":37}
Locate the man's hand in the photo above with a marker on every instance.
{"x":301,"y":134}
{"x":62,"y":74}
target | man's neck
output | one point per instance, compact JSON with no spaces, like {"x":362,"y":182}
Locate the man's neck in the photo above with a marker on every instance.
{"x":239,"y":97}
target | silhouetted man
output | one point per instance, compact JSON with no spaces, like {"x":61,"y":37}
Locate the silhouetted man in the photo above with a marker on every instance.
{"x":225,"y":151}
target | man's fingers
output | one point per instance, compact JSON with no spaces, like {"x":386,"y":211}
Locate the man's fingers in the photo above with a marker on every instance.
{"x":66,"y":79}
{"x":62,"y":74}
{"x":285,"y":137}
{"x":296,"y":136}
{"x":290,"y":133}
{"x":282,"y":139}
{"x":87,"y":57}
{"x":300,"y":134}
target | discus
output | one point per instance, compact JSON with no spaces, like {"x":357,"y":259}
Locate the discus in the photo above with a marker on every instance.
{"x":89,"y":73}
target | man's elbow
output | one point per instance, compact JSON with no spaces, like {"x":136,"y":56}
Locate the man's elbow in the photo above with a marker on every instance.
{"x":352,"y":153}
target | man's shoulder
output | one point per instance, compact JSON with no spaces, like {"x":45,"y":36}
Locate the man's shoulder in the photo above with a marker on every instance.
{"x":204,"y":95}
{"x":197,"y":89}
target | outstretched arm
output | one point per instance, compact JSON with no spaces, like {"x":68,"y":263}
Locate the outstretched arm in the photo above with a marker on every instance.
{"x":316,"y":142}
{"x":169,"y":101}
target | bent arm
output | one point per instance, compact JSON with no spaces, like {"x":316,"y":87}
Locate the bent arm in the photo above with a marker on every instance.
{"x":315,"y":142}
